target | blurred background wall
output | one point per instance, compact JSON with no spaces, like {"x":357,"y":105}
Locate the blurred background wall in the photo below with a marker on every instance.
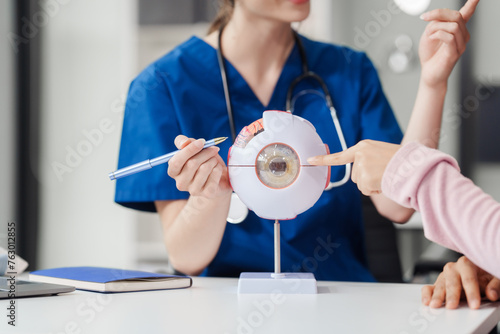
{"x":481,"y":101}
{"x":91,"y":50}
{"x":88,"y":60}
{"x":7,"y":128}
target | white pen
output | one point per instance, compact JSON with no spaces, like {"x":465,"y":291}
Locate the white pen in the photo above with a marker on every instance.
{"x":150,"y":163}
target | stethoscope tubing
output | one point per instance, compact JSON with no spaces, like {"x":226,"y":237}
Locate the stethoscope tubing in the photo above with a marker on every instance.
{"x":306,"y":73}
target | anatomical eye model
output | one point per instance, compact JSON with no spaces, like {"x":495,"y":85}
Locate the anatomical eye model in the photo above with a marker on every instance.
{"x":269,"y":172}
{"x":268,"y":166}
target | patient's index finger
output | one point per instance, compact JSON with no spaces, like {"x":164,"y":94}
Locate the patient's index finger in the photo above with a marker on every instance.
{"x":468,"y":9}
{"x":337,"y":159}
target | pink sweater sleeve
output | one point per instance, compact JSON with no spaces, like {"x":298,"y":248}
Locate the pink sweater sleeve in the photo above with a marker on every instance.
{"x":455,"y":213}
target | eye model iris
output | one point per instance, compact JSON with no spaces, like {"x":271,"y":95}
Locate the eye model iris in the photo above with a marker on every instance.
{"x":277,"y":166}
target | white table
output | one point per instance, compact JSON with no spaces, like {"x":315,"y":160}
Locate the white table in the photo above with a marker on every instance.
{"x":213,"y":306}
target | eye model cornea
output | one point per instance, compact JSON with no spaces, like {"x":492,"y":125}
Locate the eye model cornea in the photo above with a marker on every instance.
{"x":277,"y":166}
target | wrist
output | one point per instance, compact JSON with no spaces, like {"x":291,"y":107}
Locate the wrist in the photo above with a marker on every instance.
{"x":206,"y":205}
{"x":439,"y":86}
{"x":222,"y":197}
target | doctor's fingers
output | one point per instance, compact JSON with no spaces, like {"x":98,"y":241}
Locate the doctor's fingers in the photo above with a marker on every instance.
{"x":445,"y":15}
{"x":178,"y":161}
{"x":448,"y":16}
{"x":221,"y":161}
{"x":453,"y":29}
{"x":184,"y":164}
{"x":468,"y":9}
{"x":188,"y":147}
{"x":200,"y":179}
{"x":450,"y":42}
{"x":211,"y":187}
{"x":182,"y":141}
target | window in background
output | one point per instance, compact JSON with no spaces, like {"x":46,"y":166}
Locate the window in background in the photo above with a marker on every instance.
{"x":161,"y":12}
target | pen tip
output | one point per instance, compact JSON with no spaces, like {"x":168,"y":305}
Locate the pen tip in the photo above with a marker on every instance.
{"x":220,"y":140}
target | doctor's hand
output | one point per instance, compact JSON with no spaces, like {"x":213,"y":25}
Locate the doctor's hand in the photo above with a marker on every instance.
{"x":443,"y":42}
{"x":201,"y":172}
{"x":461,"y":280}
{"x":369,"y":159}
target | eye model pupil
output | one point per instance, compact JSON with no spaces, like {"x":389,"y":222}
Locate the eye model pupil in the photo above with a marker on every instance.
{"x":278,"y":167}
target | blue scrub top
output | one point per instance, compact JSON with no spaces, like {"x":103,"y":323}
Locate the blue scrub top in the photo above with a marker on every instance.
{"x":182,"y":93}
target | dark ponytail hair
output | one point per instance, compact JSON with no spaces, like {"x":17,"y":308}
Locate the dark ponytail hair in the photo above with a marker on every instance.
{"x":223,"y":15}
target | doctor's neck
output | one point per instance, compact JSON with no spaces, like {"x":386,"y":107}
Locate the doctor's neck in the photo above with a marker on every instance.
{"x":257,"y":28}
{"x":249,"y":36}
{"x":257,"y":39}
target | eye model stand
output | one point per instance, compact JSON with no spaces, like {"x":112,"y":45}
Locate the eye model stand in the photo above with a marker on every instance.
{"x":277,"y":282}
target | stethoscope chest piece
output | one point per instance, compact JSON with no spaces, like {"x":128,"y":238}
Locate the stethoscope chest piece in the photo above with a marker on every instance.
{"x":238,"y":211}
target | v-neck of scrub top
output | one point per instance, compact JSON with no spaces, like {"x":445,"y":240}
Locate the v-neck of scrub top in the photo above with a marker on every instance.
{"x":239,"y":89}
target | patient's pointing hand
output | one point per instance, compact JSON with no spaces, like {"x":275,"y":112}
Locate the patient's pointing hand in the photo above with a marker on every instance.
{"x":369,"y":159}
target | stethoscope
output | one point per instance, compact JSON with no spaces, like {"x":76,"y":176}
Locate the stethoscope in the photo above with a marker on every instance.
{"x":238,"y":207}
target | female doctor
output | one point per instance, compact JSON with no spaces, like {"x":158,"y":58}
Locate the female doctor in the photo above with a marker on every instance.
{"x":182,"y":93}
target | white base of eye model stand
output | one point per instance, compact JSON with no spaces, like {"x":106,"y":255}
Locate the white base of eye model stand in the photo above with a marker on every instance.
{"x":277,"y":282}
{"x":289,"y":283}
